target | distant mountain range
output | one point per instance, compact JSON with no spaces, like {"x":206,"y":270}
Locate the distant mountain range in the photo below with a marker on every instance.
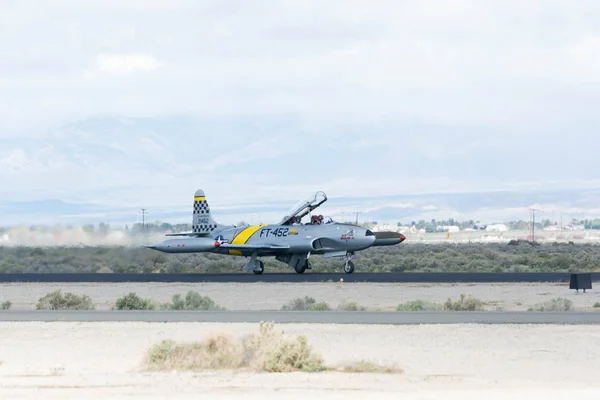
{"x":489,"y":207}
{"x":107,"y":169}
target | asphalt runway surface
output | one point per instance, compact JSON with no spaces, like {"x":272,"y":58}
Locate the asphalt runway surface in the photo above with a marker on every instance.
{"x":241,"y":277}
{"x":311,"y":317}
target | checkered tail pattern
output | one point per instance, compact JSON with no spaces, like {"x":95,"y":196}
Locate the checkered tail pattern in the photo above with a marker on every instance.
{"x":202,"y":221}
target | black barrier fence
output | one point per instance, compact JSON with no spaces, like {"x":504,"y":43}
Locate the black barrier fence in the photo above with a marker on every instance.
{"x":581,"y":281}
{"x":412,"y":277}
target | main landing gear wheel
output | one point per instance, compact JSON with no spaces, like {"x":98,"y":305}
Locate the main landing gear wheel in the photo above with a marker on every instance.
{"x":349,"y":267}
{"x":261,"y":270}
{"x":300,"y":269}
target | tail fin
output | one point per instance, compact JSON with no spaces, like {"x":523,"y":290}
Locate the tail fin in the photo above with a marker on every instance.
{"x":202,"y":222}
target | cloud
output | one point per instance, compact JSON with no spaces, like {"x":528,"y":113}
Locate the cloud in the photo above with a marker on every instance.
{"x":123,"y":64}
{"x":275,"y":99}
{"x":449,"y":62}
{"x":16,"y":159}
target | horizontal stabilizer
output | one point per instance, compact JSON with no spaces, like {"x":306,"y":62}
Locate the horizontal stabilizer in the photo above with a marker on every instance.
{"x":218,"y":229}
{"x":194,"y":234}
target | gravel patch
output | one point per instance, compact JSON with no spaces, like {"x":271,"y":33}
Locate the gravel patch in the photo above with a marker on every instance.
{"x":102,"y":360}
{"x":272,"y":296}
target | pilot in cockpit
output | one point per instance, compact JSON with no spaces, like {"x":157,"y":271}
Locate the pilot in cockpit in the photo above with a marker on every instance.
{"x":316,"y":219}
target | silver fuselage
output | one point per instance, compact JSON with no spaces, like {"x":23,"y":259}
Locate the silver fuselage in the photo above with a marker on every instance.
{"x":313,"y":239}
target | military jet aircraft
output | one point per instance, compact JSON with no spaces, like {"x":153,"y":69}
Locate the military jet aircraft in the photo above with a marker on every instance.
{"x":289,"y":241}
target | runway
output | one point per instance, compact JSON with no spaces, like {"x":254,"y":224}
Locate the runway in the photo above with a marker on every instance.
{"x":309,"y":317}
{"x":292,"y":277}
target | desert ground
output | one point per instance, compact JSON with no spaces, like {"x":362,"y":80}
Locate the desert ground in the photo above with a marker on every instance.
{"x":62,"y":360}
{"x":268,"y":296}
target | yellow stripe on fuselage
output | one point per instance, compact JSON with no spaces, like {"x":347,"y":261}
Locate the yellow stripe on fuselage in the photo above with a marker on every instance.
{"x":200,"y":198}
{"x":243,"y":237}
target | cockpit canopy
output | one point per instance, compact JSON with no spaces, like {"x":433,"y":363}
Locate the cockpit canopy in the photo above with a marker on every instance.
{"x":304,"y":207}
{"x":314,"y":220}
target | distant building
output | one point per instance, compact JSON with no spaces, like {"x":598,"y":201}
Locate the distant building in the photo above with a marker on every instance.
{"x":497,"y":228}
{"x":553,"y":228}
{"x":450,"y":228}
{"x":385,"y":227}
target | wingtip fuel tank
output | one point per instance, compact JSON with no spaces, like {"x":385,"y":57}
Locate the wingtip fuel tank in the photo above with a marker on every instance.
{"x":388,"y":238}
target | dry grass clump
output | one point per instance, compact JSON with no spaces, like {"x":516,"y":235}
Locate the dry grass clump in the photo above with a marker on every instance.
{"x":557,"y":304}
{"x":310,"y":304}
{"x":419,"y":305}
{"x":216,"y":352}
{"x":464,"y":304}
{"x":370,"y":367}
{"x":192,"y":301}
{"x":268,"y":350}
{"x":132,"y":301}
{"x":57,"y":300}
{"x":321,"y":306}
{"x":350,"y":306}
{"x":305,"y":304}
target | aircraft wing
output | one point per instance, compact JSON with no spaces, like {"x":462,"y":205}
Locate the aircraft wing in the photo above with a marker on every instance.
{"x":264,"y":247}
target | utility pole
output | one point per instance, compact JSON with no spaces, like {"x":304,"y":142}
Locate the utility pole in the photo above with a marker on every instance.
{"x":533,"y":210}
{"x":561,"y":224}
{"x":533,"y":226}
{"x":143,"y":217}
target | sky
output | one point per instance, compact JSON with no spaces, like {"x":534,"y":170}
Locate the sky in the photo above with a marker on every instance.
{"x":140,"y":103}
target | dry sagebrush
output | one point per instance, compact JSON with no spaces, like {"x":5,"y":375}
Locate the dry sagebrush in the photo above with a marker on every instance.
{"x":269,"y":350}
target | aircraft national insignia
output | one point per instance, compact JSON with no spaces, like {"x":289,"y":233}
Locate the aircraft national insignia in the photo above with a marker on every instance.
{"x":221,"y":239}
{"x":348,"y":235}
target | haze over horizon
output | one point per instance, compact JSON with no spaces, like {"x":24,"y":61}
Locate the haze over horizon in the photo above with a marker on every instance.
{"x":114,"y":106}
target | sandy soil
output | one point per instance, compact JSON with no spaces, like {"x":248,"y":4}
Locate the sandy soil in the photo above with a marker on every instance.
{"x":269,"y":296}
{"x":103,"y":360}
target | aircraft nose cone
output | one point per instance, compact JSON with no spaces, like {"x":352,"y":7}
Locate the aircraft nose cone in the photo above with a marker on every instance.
{"x":402,"y":238}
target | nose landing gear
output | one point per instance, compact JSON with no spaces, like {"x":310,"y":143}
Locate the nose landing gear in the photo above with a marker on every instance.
{"x":349,"y":265}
